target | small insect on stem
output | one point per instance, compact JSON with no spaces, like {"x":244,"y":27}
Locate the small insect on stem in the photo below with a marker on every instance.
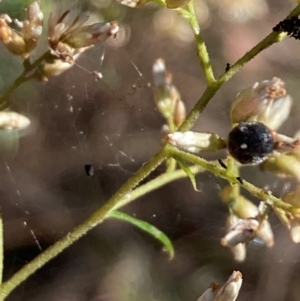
{"x":240,"y":180}
{"x":222,"y":164}
{"x":227,"y":67}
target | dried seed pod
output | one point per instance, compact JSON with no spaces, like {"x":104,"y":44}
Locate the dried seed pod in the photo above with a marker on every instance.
{"x":250,"y":142}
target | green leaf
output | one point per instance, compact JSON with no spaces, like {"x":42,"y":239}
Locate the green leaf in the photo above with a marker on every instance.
{"x":150,"y":229}
{"x":189,"y":173}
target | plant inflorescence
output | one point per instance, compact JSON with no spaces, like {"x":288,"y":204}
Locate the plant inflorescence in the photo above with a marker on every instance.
{"x":256,"y":115}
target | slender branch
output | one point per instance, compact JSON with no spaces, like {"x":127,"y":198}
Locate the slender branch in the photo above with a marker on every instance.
{"x":210,"y":91}
{"x":203,"y":55}
{"x":156,"y":183}
{"x":22,"y":78}
{"x":220,"y":172}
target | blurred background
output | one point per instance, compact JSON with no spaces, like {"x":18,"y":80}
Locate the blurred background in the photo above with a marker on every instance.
{"x":114,"y":125}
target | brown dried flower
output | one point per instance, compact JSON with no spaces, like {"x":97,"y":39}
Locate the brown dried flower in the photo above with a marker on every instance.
{"x":68,"y":38}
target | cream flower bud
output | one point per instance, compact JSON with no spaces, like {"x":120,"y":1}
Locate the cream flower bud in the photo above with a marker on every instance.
{"x":55,"y":66}
{"x":179,"y":113}
{"x":167,"y":98}
{"x":285,"y":164}
{"x":196,"y":142}
{"x":265,"y":233}
{"x":238,"y":204}
{"x":266,"y":102}
{"x":12,"y":40}
{"x":239,"y":250}
{"x":227,"y":292}
{"x":243,"y":231}
{"x":208,"y":295}
{"x":132,"y":3}
{"x":295,"y":230}
{"x":293,"y":198}
{"x":32,"y":26}
{"x":230,"y":290}
{"x":13,"y":121}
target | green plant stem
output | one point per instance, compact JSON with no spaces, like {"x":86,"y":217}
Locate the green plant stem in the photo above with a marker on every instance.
{"x":156,"y":183}
{"x":210,"y":91}
{"x":220,"y":172}
{"x":203,"y":55}
{"x":90,"y":223}
{"x":22,"y":78}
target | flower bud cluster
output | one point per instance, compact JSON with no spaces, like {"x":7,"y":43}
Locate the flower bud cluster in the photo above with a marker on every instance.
{"x":68,"y":37}
{"x":244,"y":223}
{"x":21,"y":42}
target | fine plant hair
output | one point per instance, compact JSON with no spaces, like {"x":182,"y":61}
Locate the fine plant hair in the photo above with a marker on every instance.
{"x":188,"y":163}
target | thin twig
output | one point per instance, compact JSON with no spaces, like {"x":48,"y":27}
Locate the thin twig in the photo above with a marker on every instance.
{"x":22,"y":78}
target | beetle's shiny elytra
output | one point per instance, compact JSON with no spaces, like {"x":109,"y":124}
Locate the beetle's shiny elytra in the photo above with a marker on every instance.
{"x":250,"y":142}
